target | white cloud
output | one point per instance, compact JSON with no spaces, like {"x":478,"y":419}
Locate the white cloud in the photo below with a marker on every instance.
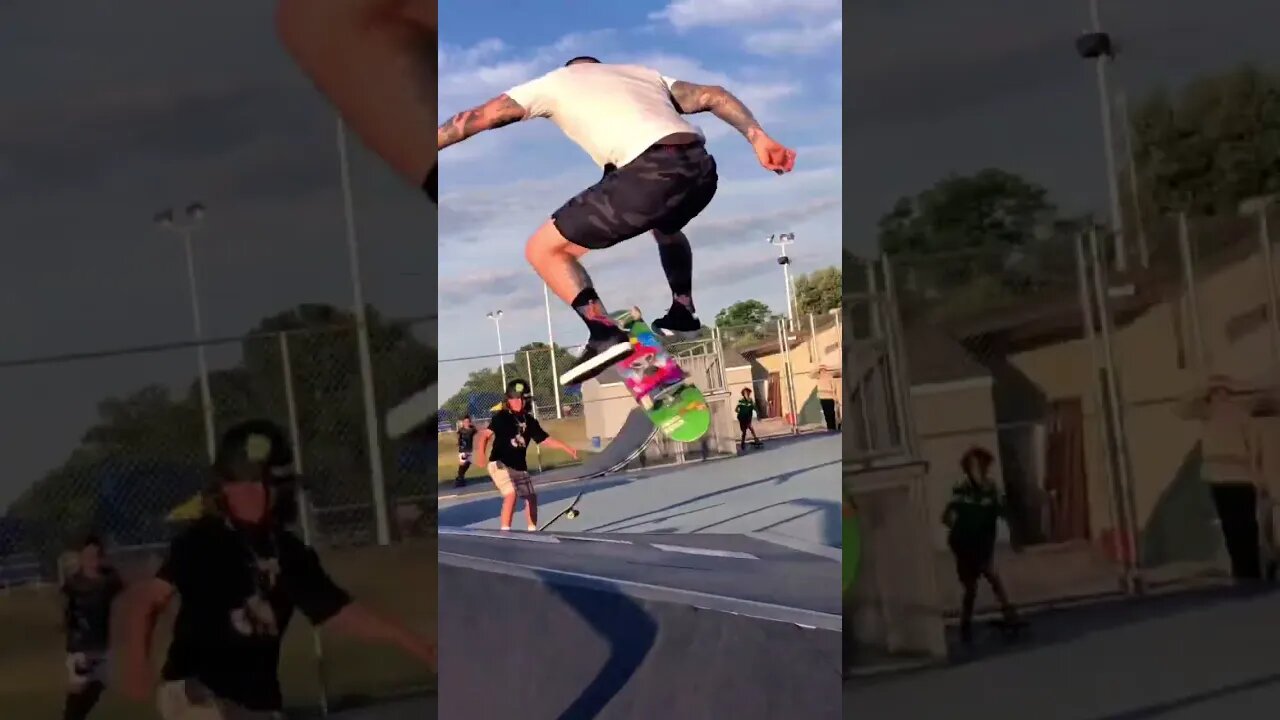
{"x":807,"y":40}
{"x":686,"y":14}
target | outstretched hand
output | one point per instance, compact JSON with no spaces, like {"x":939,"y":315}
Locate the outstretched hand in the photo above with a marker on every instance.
{"x":774,"y":155}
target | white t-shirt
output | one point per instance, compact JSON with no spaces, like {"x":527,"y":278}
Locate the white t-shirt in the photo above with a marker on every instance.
{"x":613,"y":112}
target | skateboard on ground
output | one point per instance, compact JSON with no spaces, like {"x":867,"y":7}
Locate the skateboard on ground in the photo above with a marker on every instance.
{"x":674,"y":404}
{"x":1010,"y":629}
{"x":570,"y":512}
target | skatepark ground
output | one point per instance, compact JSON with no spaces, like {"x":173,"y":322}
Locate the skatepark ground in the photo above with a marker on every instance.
{"x":1212,"y":652}
{"x":672,"y":582}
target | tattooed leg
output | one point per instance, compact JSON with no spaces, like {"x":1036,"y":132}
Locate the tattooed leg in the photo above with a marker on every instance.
{"x":557,"y":262}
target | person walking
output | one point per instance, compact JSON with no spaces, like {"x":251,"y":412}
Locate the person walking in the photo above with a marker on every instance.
{"x":89,"y":594}
{"x":747,"y":413}
{"x":971,"y":518}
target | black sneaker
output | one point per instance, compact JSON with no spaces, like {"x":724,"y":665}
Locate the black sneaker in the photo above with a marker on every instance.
{"x":603,"y":349}
{"x":677,"y":321}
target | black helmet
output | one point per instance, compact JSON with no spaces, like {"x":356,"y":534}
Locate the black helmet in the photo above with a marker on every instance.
{"x":254,"y":450}
{"x":517,"y":388}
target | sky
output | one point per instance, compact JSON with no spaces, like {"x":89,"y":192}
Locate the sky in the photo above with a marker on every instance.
{"x":113,"y":111}
{"x":937,"y":86}
{"x":781,"y":57}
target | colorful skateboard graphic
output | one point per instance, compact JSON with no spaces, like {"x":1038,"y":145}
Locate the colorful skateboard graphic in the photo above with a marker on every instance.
{"x":654,"y":378}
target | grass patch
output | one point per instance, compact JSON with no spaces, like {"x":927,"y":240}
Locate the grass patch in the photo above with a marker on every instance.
{"x":571,"y":431}
{"x":398,"y":581}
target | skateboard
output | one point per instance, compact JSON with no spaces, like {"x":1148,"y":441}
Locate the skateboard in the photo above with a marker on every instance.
{"x":674,"y":404}
{"x":570,"y":512}
{"x":1014,"y":630}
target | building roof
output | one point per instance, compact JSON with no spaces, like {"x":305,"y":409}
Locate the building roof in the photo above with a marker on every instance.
{"x":934,"y":356}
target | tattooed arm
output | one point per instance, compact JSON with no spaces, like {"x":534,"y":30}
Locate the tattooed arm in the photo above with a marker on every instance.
{"x":691,"y":98}
{"x":496,"y":113}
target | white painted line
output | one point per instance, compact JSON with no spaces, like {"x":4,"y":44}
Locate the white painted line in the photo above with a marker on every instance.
{"x":525,"y":535}
{"x":582,"y":538}
{"x":703,"y":551}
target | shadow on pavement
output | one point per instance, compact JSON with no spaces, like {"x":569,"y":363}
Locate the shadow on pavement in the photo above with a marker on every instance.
{"x":1060,"y":625}
{"x":1188,"y":701}
{"x":476,"y":511}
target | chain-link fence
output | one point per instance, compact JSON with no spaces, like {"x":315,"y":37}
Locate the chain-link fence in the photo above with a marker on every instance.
{"x":779,"y":361}
{"x":133,"y":471}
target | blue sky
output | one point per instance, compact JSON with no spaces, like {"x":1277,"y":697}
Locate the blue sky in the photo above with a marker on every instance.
{"x":782,"y":57}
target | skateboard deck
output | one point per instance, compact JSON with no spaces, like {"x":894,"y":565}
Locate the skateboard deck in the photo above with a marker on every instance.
{"x":1010,"y":630}
{"x":674,"y":404}
{"x":570,"y":512}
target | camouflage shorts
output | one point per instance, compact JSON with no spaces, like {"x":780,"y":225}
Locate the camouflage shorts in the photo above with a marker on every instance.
{"x":663,"y":189}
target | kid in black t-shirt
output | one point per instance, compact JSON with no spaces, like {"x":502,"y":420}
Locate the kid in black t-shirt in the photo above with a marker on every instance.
{"x":88,"y":594}
{"x":505,"y":442}
{"x":466,"y":439}
{"x":240,"y":575}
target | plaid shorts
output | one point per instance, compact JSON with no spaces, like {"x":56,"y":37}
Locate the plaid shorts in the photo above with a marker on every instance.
{"x":510,"y":481}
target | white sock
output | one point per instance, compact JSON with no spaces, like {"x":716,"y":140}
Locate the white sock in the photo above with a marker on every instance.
{"x":533,"y":528}
{"x":505,"y":527}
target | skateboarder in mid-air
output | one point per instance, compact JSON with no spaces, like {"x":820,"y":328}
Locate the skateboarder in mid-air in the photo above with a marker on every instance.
{"x":505,"y":442}
{"x":466,"y":435}
{"x":747,"y":413}
{"x":971,"y":518}
{"x":658,"y":176}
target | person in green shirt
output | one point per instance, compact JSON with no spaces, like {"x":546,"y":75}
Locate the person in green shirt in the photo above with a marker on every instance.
{"x":747,"y":412}
{"x":971,"y":517}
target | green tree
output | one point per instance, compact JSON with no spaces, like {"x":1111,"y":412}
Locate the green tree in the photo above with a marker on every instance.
{"x":744,"y":313}
{"x":488,"y":381}
{"x":146,"y":452}
{"x":819,"y":291}
{"x":1214,"y":144}
{"x":746,"y":322}
{"x":970,"y":242}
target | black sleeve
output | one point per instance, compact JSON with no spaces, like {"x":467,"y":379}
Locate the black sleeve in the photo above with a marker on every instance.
{"x":314,"y":592}
{"x":536,"y":433}
{"x":182,"y":563}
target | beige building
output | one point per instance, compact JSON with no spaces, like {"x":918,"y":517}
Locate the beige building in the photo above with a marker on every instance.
{"x":1027,"y":386}
{"x":812,"y":346}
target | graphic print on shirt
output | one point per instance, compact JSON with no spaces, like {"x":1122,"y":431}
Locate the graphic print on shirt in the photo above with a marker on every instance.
{"x":256,"y":618}
{"x":518,"y":441}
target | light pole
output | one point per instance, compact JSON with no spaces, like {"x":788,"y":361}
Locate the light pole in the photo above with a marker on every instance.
{"x":1260,"y":206}
{"x":551,"y":341}
{"x":381,"y":522}
{"x":1097,"y":45}
{"x":192,"y":216}
{"x":1144,"y":252}
{"x":496,"y":317}
{"x":781,"y":241}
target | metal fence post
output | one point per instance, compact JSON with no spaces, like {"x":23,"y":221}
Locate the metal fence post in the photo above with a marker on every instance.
{"x":1086,"y":316}
{"x":1117,"y":411}
{"x":1273,"y":287}
{"x":1193,"y":294}
{"x":304,"y":509}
